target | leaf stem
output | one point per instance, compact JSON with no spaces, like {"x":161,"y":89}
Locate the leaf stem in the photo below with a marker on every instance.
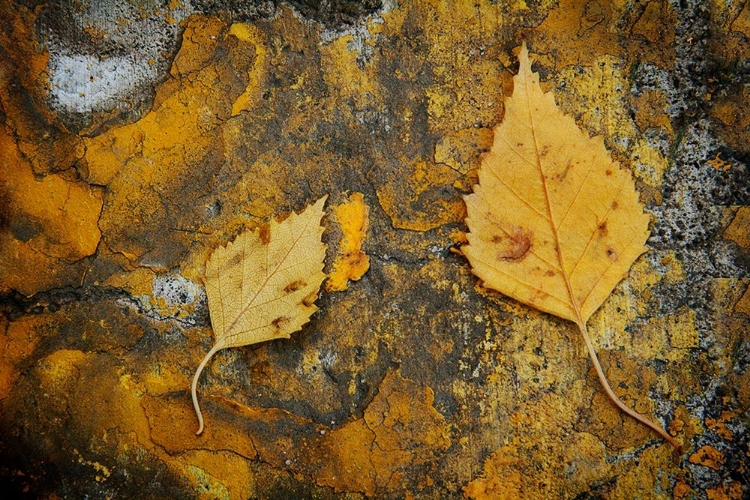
{"x":216,"y":348}
{"x":603,"y":379}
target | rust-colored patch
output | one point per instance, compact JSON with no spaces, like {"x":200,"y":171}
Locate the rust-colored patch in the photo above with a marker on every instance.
{"x":310,"y":299}
{"x":294,"y":286}
{"x":719,"y":424}
{"x":279,"y":322}
{"x":731,"y":491}
{"x":602,"y":229}
{"x":234,"y":261}
{"x":708,"y":456}
{"x":650,"y":111}
{"x":562,"y":175}
{"x":514,"y":244}
{"x":680,"y":491}
{"x":264,"y":233}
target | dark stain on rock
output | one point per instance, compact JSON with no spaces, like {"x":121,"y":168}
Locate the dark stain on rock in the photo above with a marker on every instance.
{"x":25,"y":227}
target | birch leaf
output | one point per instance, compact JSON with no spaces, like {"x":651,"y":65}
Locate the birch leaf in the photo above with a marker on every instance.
{"x":263,"y":285}
{"x":554,"y":222}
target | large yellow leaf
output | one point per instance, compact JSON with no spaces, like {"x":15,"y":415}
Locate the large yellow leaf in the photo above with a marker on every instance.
{"x":554,"y":222}
{"x":263,"y":285}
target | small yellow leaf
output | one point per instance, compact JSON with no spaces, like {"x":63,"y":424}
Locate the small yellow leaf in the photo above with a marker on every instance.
{"x":554,"y":222}
{"x":263,"y":285}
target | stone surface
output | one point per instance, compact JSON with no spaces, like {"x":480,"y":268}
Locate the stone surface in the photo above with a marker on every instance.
{"x":135,"y":138}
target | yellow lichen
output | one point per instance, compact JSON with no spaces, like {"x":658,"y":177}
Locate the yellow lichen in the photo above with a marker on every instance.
{"x":258,"y":72}
{"x":400,"y":429}
{"x":59,"y":368}
{"x":54,"y":216}
{"x":350,"y":263}
{"x":218,"y":474}
{"x":739,"y":230}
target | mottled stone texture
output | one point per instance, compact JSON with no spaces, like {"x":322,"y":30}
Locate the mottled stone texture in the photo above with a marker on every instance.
{"x":137,"y":136}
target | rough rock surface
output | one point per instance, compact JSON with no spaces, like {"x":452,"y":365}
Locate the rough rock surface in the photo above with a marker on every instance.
{"x":137,"y":136}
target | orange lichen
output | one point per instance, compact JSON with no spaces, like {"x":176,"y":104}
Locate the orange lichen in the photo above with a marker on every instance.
{"x":743,"y":305}
{"x":351,"y":263}
{"x":577,"y":32}
{"x":739,"y":229}
{"x":501,"y":479}
{"x":462,"y":150}
{"x":653,"y":23}
{"x":47,"y":224}
{"x":18,"y":339}
{"x":400,"y":429}
{"x":708,"y":456}
{"x":412,"y":197}
{"x":680,"y":491}
{"x":719,"y":424}
{"x":53,"y":216}
{"x":650,"y":111}
{"x":731,"y":491}
{"x":252,"y":118}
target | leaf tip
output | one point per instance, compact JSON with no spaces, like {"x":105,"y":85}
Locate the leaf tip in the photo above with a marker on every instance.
{"x":523,"y":58}
{"x":321,"y":202}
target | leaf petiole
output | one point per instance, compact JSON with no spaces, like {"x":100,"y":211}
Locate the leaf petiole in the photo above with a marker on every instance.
{"x":216,"y":348}
{"x":603,"y":379}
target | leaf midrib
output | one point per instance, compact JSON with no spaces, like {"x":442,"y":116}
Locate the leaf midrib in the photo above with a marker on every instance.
{"x":558,"y":247}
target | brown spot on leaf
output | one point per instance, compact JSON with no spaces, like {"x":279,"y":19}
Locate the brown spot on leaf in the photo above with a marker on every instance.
{"x":544,"y":151}
{"x":279,"y":322}
{"x":515,"y":245}
{"x":561,"y":176}
{"x":309,"y":300}
{"x":602,"y":229}
{"x":235,"y":260}
{"x":611,"y":254}
{"x":614,"y":205}
{"x":294,"y":286}
{"x":608,"y":172}
{"x":549,"y":272}
{"x":264,"y":233}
